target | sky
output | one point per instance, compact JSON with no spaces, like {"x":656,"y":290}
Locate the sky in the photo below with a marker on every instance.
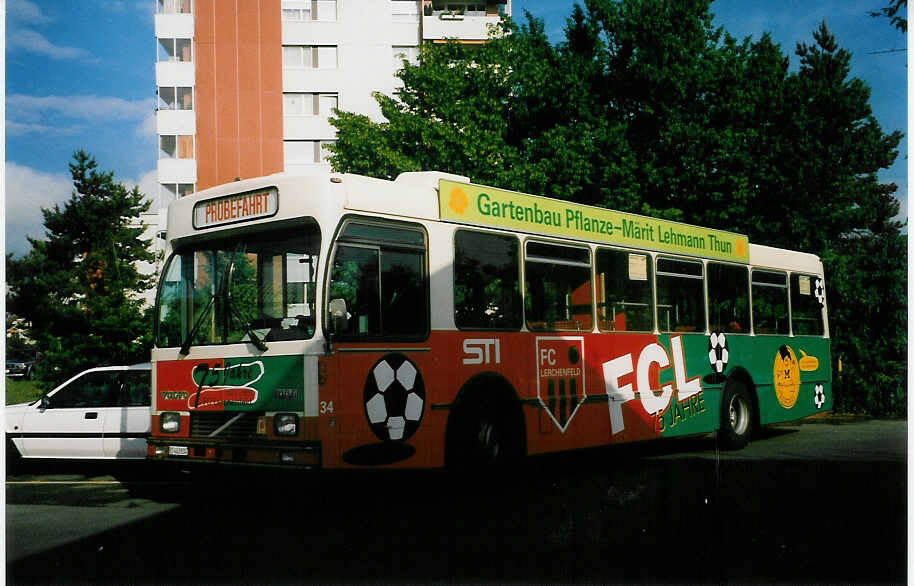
{"x":80,"y":74}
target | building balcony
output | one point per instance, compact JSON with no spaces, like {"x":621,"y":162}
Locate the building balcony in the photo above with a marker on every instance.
{"x":307,"y":128}
{"x":175,"y":73}
{"x":176,"y":122}
{"x":309,"y":80}
{"x":313,"y":33}
{"x":177,"y":170}
{"x":453,"y":25}
{"x":170,"y":26}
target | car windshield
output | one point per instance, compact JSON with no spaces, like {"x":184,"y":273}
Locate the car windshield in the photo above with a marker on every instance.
{"x":249,"y":288}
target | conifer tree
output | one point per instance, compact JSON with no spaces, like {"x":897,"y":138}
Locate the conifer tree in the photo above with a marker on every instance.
{"x":79,"y":288}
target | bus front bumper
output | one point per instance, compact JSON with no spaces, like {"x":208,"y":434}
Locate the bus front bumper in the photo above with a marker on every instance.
{"x":283,"y":455}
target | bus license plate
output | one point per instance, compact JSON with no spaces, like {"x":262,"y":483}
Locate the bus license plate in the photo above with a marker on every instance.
{"x":177,"y":450}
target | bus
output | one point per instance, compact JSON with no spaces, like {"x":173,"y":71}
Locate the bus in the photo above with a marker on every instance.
{"x":342,"y":321}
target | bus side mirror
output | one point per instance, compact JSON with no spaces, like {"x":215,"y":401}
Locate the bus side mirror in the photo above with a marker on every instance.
{"x":339,"y":316}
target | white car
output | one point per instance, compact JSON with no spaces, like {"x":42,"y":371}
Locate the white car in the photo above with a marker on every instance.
{"x":101,"y":413}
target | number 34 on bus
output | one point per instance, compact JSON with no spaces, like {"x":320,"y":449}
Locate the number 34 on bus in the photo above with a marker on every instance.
{"x":342,"y":321}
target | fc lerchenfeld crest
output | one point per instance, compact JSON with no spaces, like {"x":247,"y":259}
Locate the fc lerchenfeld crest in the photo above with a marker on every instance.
{"x":560,"y":377}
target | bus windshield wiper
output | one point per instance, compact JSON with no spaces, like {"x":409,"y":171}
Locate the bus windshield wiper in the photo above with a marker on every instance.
{"x":185,"y":346}
{"x":220,"y":288}
{"x":245,"y":324}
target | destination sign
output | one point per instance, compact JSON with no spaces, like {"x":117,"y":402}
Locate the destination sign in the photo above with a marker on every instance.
{"x":239,"y":207}
{"x":488,"y":206}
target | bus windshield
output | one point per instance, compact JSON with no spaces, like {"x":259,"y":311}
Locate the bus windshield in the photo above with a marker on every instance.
{"x":248,"y":288}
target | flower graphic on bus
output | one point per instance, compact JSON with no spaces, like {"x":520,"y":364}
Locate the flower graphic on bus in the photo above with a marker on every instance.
{"x":217,"y":387}
{"x":458,"y":201}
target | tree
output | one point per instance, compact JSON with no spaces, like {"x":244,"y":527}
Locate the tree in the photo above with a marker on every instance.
{"x":892,"y":13}
{"x":78,"y":289}
{"x":645,"y":107}
{"x":509,"y":113}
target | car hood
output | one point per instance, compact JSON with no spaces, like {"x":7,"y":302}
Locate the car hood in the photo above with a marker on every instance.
{"x":13,"y":415}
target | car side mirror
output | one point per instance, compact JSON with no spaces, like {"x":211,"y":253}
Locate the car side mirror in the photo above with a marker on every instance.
{"x":45,"y":402}
{"x":339,"y":315}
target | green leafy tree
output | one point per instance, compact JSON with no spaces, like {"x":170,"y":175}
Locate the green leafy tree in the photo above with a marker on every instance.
{"x":498,"y":113}
{"x":79,"y":288}
{"x":646,"y":107}
{"x":895,"y":12}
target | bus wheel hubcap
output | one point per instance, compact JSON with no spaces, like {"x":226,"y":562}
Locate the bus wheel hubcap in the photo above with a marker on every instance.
{"x":738,"y":415}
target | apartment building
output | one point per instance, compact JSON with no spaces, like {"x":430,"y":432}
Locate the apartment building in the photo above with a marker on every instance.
{"x":246,"y":87}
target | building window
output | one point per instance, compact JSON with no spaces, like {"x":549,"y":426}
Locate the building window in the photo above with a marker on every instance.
{"x":296,"y":10}
{"x":326,"y":57}
{"x":401,"y":52}
{"x":176,"y":146}
{"x":169,"y":192}
{"x":307,"y":10}
{"x":309,"y":104}
{"x":176,"y":98}
{"x":326,"y":10}
{"x":309,"y":57}
{"x":305,"y":152}
{"x":174,"y":7}
{"x":404,"y":11}
{"x":466,"y":8}
{"x":175,"y":50}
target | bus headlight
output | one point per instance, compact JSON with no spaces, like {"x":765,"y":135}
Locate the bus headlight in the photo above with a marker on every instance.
{"x":170,"y":422}
{"x":285,"y":424}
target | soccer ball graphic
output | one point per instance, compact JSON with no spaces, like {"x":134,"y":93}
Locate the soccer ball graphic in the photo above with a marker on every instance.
{"x":718,"y":353}
{"x":820,"y":396}
{"x":394,"y":398}
{"x":820,"y":291}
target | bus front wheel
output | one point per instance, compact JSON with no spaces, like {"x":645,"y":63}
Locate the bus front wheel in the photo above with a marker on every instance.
{"x":484,"y":432}
{"x":736,"y":416}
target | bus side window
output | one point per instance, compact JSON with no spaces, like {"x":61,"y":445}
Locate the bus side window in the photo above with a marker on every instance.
{"x":807,"y":302}
{"x":557,"y":287}
{"x":379,"y":271}
{"x":728,"y":298}
{"x":680,"y":295}
{"x":624,"y":296}
{"x":486,"y":281}
{"x":769,"y":302}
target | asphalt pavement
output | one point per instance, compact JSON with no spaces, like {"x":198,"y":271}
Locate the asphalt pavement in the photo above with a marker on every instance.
{"x":817,"y":502}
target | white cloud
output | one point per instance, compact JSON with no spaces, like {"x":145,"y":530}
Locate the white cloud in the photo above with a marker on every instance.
{"x":33,"y":108}
{"x":14,"y":128}
{"x":148,"y":183}
{"x":148,"y":128}
{"x":25,"y":11}
{"x":27,"y":191}
{"x":35,"y":42}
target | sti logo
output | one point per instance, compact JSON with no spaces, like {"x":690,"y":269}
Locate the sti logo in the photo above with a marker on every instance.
{"x":560,"y":377}
{"x":482,"y":351}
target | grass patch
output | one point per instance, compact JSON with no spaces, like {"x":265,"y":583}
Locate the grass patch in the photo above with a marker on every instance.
{"x":21,"y":391}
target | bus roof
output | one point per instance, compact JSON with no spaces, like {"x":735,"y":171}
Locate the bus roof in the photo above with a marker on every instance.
{"x":438,"y":196}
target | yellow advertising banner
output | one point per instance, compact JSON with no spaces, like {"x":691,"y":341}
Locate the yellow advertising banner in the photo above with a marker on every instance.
{"x":487,"y":206}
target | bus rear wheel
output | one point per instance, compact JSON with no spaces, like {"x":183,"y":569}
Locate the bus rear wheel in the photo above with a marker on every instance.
{"x":737,"y":416}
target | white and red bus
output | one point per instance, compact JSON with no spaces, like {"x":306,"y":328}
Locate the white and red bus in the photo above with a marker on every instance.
{"x":339,"y":321}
